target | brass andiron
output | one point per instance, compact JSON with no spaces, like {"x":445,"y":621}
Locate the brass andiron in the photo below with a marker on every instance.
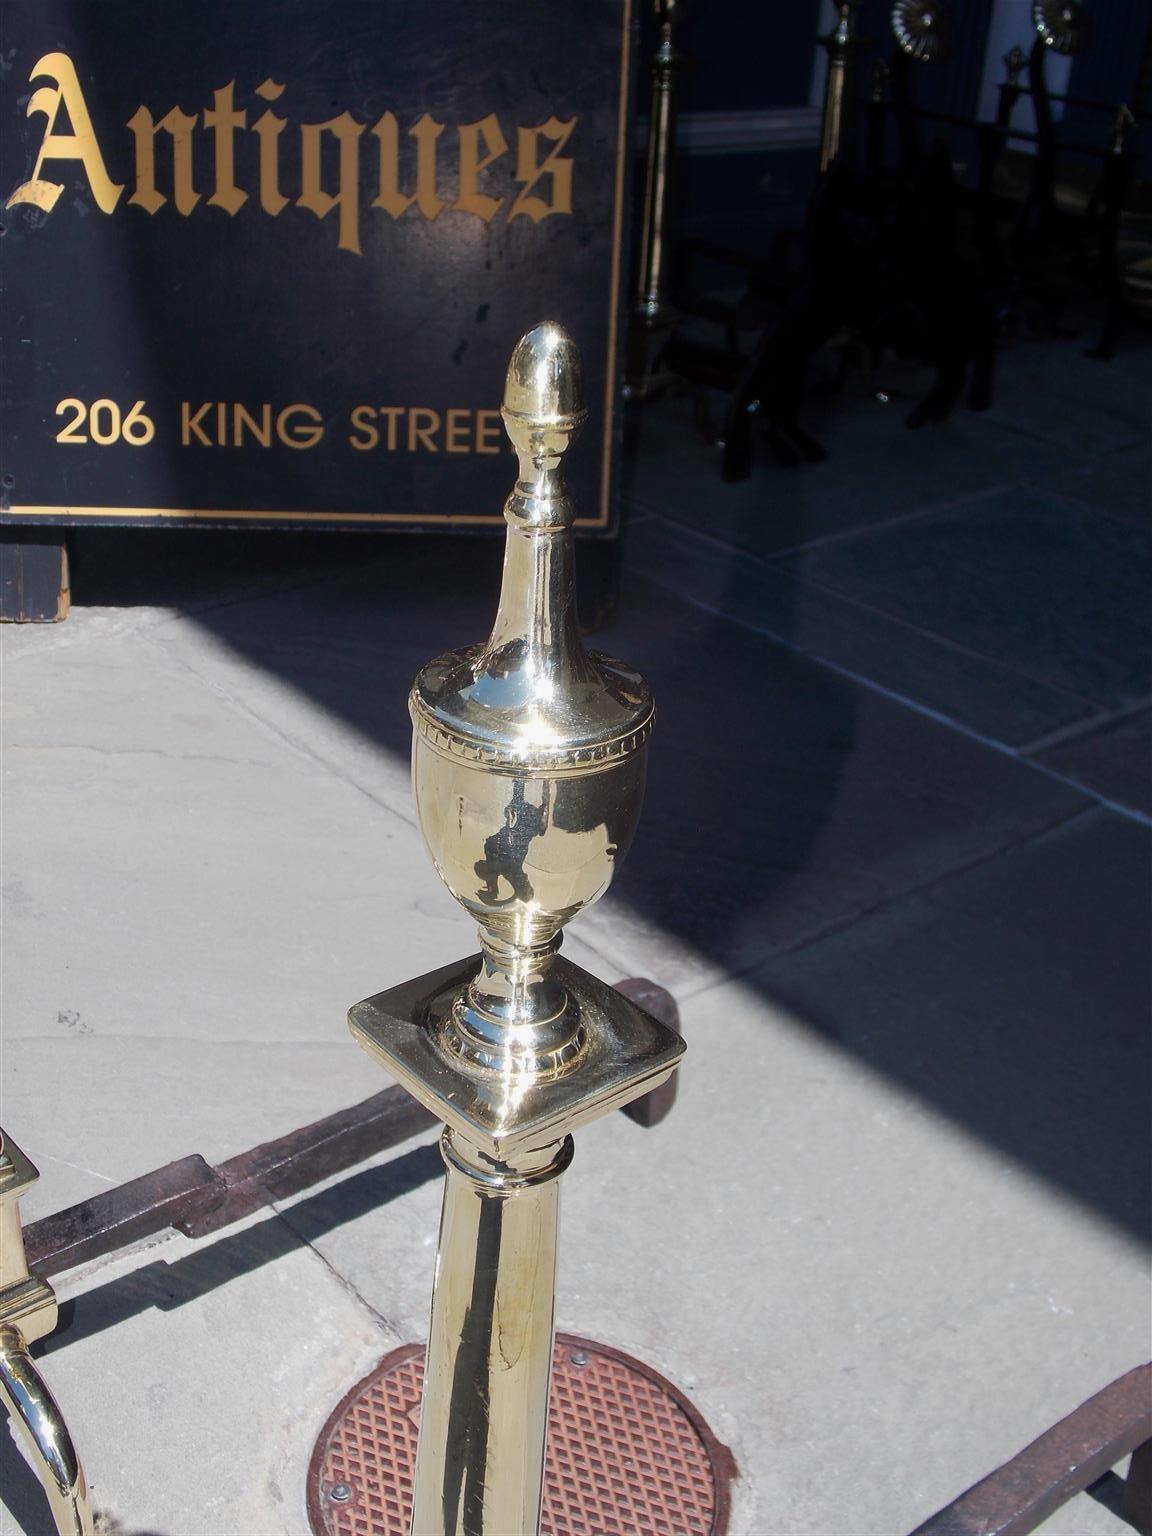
{"x":528,"y":763}
{"x":923,"y":30}
{"x":652,"y":318}
{"x":840,"y":44}
{"x":28,"y":1312}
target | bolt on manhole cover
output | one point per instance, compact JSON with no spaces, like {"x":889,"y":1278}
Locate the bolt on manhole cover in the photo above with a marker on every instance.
{"x":628,"y":1455}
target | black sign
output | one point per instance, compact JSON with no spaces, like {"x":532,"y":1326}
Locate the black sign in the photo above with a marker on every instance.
{"x":265,"y":262}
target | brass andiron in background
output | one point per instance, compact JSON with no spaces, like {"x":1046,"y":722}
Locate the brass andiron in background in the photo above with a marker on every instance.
{"x":923,"y":30}
{"x":28,"y":1312}
{"x":528,"y":763}
{"x":652,"y":318}
{"x":840,"y":44}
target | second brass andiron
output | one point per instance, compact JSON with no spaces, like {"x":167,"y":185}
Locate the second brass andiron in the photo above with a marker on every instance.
{"x":28,"y":1312}
{"x":652,"y":316}
{"x":840,"y":45}
{"x":528,"y":763}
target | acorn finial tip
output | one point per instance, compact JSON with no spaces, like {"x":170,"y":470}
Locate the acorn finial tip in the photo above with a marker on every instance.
{"x":545,"y":384}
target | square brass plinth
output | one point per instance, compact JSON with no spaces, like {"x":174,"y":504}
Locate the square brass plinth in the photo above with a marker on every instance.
{"x":627,"y":1052}
{"x":17,"y":1171}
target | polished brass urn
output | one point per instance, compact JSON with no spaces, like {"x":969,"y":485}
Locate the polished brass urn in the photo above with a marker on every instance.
{"x":528,"y":752}
{"x":528,"y":764}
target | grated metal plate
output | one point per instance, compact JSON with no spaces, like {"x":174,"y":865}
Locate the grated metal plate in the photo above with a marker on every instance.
{"x":628,"y":1455}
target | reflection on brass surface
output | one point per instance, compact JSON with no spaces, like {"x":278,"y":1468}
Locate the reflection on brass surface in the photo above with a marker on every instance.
{"x":528,"y":758}
{"x":841,"y":44}
{"x":28,"y":1312}
{"x":923,"y":29}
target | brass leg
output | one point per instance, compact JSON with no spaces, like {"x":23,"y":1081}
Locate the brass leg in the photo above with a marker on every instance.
{"x":34,"y":1412}
{"x":27,"y":1313}
{"x":484,"y":1420}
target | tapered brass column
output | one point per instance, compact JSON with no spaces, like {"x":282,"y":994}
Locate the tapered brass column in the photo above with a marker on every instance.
{"x":491,"y":1335}
{"x":528,"y":763}
{"x":28,"y":1312}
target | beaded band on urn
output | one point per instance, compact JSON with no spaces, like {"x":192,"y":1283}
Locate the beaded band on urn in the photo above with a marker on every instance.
{"x":528,"y":763}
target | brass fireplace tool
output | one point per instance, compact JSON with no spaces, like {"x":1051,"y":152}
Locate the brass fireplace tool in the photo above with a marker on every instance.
{"x":28,"y":1312}
{"x":528,"y":762}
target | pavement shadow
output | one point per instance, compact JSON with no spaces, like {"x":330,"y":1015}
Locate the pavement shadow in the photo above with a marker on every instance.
{"x":23,"y":1496}
{"x":25,"y":1501}
{"x":167,"y":1287}
{"x":799,"y":829}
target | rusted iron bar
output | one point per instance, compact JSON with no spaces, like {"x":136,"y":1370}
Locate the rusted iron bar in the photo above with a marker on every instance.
{"x":650,"y":1109}
{"x":1068,"y":1458}
{"x":284,"y":1167}
{"x":1136,"y":1500}
{"x":197,"y":1199}
{"x":119,"y":1216}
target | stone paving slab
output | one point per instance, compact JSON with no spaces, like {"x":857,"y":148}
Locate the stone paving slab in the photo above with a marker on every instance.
{"x":192,"y":902}
{"x":784,"y":800}
{"x":1015,"y":998}
{"x":137,"y":1103}
{"x":829,"y":798}
{"x":871,"y":1304}
{"x":1118,"y":484}
{"x":877,"y":470}
{"x":1065,"y":401}
{"x":195,"y":1378}
{"x":1114,"y":760}
{"x":1052,"y":590}
{"x":976,"y":691}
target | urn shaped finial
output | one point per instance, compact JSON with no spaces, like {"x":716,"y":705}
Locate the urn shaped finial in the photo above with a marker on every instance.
{"x":528,"y":750}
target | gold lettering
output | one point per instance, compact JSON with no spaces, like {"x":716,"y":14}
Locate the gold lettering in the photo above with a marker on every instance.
{"x":455,"y":428}
{"x":362,"y":422}
{"x":425,"y":131}
{"x":529,"y":170}
{"x":424,"y":433}
{"x":268,"y":128}
{"x":304,"y":435}
{"x":488,"y":431}
{"x":392,"y":413}
{"x":223,"y":120}
{"x":178,"y":125}
{"x":471,"y":199}
{"x":261,"y":430}
{"x":190,"y":424}
{"x":346,"y":130}
{"x":80,"y":144}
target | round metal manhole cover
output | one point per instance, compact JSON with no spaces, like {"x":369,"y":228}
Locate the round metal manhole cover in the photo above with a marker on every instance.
{"x":628,"y":1455}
